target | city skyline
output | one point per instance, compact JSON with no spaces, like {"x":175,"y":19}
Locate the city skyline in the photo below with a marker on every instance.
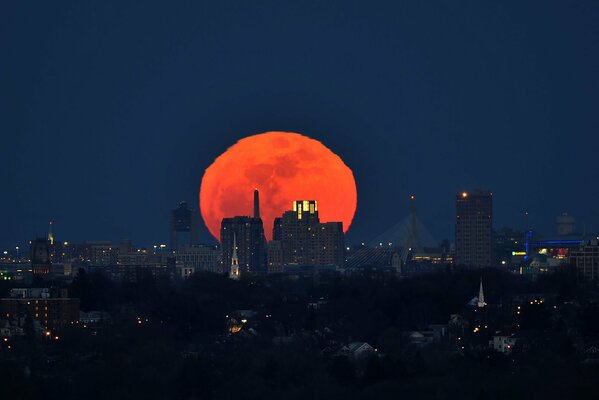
{"x":299,"y":199}
{"x":552,"y":224}
{"x":414,"y":102}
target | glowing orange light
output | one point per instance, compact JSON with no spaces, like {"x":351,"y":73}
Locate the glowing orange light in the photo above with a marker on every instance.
{"x":284,"y":167}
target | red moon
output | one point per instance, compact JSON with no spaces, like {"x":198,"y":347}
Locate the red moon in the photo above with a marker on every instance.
{"x":283,"y":166}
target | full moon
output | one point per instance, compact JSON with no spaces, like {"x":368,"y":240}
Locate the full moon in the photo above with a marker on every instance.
{"x":283,"y":166}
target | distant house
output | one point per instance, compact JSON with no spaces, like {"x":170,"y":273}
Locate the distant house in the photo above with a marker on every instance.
{"x":315,"y":305}
{"x":420,"y":339}
{"x":434,"y":334}
{"x":503,"y":342}
{"x":238,"y":319}
{"x":591,"y":354}
{"x":94,"y":317}
{"x":357,"y":350}
{"x":284,"y":340}
{"x":8,"y":330}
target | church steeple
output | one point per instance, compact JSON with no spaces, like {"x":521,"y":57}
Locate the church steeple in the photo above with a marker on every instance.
{"x":234,"y":271}
{"x":481,"y":295}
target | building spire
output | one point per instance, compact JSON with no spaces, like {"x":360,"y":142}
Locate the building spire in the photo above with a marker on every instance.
{"x":481,"y":295}
{"x":234,"y":271}
{"x":256,"y":203}
{"x":50,"y":234}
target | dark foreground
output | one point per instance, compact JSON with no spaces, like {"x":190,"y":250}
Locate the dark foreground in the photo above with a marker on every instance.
{"x":276,"y":338}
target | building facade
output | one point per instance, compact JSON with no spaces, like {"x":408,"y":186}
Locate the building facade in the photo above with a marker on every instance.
{"x":243,"y":237}
{"x":275,"y":257}
{"x":585,"y":260}
{"x":51,"y":309}
{"x":473,"y":231}
{"x":247,"y":233}
{"x":307,"y":241}
{"x":200,"y":258}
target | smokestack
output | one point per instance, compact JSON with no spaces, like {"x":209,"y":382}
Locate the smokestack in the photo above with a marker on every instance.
{"x":256,"y":204}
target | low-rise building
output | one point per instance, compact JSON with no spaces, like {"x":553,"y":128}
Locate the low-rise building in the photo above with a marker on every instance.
{"x":53,"y":309}
{"x":196,"y":258}
{"x":503,"y":342}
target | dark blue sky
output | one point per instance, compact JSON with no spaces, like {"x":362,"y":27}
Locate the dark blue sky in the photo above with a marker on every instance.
{"x":109,"y":113}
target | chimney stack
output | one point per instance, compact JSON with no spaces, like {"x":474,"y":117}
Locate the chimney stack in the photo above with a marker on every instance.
{"x":256,"y":204}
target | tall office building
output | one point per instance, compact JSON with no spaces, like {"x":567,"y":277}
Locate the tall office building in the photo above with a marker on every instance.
{"x":184,"y":226}
{"x":307,"y":241}
{"x":246,"y":234}
{"x":474,"y":224}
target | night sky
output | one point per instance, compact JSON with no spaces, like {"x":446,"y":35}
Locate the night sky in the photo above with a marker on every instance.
{"x":109,"y":113}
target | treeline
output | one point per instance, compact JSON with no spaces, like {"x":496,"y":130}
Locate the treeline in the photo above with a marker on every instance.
{"x":169,"y":340}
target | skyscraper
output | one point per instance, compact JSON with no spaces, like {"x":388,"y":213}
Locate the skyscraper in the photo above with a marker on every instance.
{"x":474,"y":224}
{"x":246,"y":235}
{"x":307,"y":241}
{"x":184,"y":226}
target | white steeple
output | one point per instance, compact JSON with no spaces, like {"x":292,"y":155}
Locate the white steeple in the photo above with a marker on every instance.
{"x":481,"y":295}
{"x":234,"y":271}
